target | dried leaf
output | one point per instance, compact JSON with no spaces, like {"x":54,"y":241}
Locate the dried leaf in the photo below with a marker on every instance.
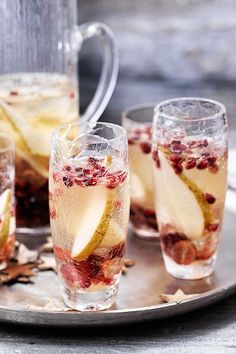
{"x":47,"y":263}
{"x":178,"y":297}
{"x":24,"y":255}
{"x":15,"y":271}
{"x":47,"y":246}
{"x":128,"y":262}
{"x":124,"y":270}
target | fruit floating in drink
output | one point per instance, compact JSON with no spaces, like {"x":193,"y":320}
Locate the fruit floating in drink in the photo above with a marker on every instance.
{"x":142,"y":212}
{"x":89,"y":210}
{"x":7,"y":210}
{"x":190,"y":174}
{"x":31,"y":105}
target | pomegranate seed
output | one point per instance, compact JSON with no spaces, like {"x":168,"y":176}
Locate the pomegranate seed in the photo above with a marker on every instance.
{"x":66,"y":168}
{"x":178,"y":148}
{"x":205,"y":154}
{"x":210,"y":198}
{"x":211,"y":160}
{"x":175,"y":158}
{"x":156,"y":158}
{"x":184,"y":252}
{"x":87,"y":171}
{"x":92,"y":161}
{"x":72,"y":95}
{"x":202,"y":164}
{"x":103,"y":170}
{"x":91,"y":182}
{"x":169,"y":240}
{"x":97,"y":166}
{"x":212,"y":227}
{"x":149,"y":213}
{"x":131,"y":141}
{"x":78,"y":169}
{"x":67,"y":181}
{"x":191,"y":163}
{"x":13,"y":93}
{"x":205,"y":142}
{"x":175,"y":142}
{"x":78,"y":181}
{"x":177,"y":167}
{"x":146,"y":148}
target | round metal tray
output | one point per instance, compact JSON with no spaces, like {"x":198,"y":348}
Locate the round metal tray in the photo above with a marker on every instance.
{"x":138,"y":297}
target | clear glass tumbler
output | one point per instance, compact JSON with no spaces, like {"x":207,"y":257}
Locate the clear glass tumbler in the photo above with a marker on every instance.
{"x":7,"y":205}
{"x":89,"y":210}
{"x":190,"y":173}
{"x":137,"y":121}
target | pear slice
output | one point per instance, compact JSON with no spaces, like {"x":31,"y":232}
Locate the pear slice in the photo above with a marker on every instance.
{"x":37,"y":141}
{"x":114,"y":235}
{"x":183,"y":207}
{"x":93,"y":224}
{"x":5,"y":215}
{"x":141,"y":177}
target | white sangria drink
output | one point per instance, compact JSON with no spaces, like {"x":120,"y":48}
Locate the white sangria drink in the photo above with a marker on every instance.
{"x":142,"y":210}
{"x":190,"y":173}
{"x":89,"y":211}
{"x":31,"y":105}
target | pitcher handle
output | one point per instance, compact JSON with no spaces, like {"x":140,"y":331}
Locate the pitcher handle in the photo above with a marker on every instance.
{"x":109,"y":69}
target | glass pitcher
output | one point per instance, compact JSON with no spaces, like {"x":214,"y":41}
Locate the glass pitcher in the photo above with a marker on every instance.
{"x":39,"y":90}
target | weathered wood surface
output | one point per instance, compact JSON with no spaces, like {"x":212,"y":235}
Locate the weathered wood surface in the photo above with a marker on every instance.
{"x":207,"y":331}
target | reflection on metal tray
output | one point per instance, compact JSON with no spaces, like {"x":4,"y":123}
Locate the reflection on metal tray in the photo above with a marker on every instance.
{"x":138,"y":298}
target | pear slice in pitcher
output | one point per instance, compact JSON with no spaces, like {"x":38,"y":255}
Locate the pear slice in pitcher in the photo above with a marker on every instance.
{"x":184,"y":206}
{"x":93,"y":224}
{"x":36,"y":140}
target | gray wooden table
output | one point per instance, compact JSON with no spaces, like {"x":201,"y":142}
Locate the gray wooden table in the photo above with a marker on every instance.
{"x":210,"y":330}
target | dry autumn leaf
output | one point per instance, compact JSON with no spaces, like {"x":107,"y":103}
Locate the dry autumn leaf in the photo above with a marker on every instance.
{"x":15,"y":271}
{"x":178,"y":297}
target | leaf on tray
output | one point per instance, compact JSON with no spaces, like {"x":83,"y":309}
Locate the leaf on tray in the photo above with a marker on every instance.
{"x":15,"y":271}
{"x":47,"y":263}
{"x":47,"y":246}
{"x":128,"y":262}
{"x":51,"y":305}
{"x":177,"y":297}
{"x":24,"y":255}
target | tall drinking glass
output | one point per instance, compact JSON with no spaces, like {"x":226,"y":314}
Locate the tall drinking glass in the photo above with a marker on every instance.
{"x":7,"y":205}
{"x":39,"y":90}
{"x":89,"y":211}
{"x":190,"y":173}
{"x":137,"y":121}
